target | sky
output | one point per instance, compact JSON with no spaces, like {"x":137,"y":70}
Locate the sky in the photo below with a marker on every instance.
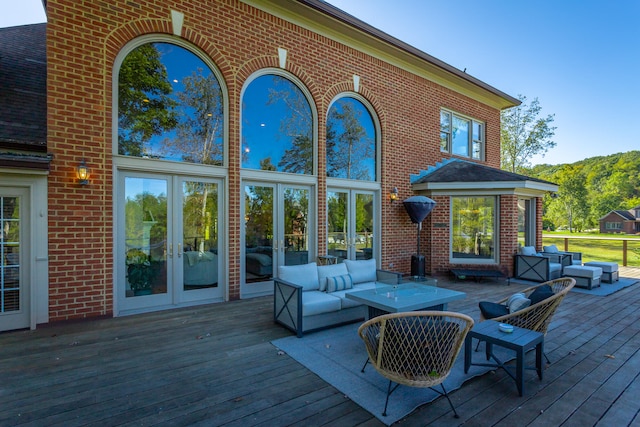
{"x":579,"y":58}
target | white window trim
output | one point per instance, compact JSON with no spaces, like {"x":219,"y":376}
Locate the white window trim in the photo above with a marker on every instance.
{"x":470,"y":141}
{"x":496,"y":221}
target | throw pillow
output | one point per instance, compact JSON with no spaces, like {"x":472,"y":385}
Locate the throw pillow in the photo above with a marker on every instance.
{"x":331,"y":270}
{"x":552,"y":249}
{"x":541,"y":293}
{"x":491,"y":310}
{"x":528,"y":250}
{"x":339,"y":283}
{"x":362,"y":270}
{"x":518,"y":302}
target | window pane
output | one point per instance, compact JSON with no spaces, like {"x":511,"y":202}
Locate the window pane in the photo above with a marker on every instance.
{"x":169,"y":106}
{"x":473,"y":225}
{"x":351,"y":141}
{"x":460,"y":137}
{"x":445,"y":121}
{"x":444,"y":141}
{"x":277,"y":127}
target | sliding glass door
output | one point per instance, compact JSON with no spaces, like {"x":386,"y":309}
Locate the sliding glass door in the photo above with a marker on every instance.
{"x":350,"y":224}
{"x":276,"y":232}
{"x":168,"y":247}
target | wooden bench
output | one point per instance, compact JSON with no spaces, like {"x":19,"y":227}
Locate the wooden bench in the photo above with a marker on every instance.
{"x":464,"y":273}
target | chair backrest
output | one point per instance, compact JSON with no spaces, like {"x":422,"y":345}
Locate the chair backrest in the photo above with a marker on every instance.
{"x":538,"y":316}
{"x":416,"y":348}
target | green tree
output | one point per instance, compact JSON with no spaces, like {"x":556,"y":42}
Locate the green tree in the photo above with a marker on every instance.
{"x":572,"y":197}
{"x":201,"y":123}
{"x":145,"y":105}
{"x":347,"y":143}
{"x":523,"y":134}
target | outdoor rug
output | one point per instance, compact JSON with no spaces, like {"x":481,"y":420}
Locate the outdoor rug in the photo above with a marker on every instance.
{"x":603,"y":290}
{"x":337,"y":356}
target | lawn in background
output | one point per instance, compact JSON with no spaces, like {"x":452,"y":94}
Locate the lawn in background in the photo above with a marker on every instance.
{"x":597,"y":247}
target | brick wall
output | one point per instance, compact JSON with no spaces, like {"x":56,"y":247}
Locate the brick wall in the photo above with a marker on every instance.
{"x":84,"y":39}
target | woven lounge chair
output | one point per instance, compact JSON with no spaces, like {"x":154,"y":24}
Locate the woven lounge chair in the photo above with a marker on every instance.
{"x":416,"y":349}
{"x":537,"y":316}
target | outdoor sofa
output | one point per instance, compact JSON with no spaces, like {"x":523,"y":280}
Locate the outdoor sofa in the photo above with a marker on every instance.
{"x":309,"y":297}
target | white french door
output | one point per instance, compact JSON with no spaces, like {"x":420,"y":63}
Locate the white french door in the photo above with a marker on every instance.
{"x":351,"y":224}
{"x":14,"y":252}
{"x":169,"y":249}
{"x":276,"y":232}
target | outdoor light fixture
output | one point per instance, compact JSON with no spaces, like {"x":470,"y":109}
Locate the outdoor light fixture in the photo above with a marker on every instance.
{"x":83,"y":173}
{"x":393,"y":194}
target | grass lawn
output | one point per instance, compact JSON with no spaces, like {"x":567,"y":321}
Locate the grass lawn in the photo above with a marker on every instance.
{"x":597,"y":247}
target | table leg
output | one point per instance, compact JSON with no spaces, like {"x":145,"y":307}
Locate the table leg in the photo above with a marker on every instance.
{"x":539,"y":353}
{"x":468,"y":343}
{"x":520,"y":370}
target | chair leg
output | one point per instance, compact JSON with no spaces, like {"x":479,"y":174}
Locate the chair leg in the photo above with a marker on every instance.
{"x":455,"y":413}
{"x":545,"y":356}
{"x":365,"y":365}
{"x":389,"y":391}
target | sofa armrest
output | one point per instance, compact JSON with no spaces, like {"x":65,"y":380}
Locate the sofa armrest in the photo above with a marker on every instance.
{"x":287,"y":305}
{"x":388,"y":277}
{"x":563,"y":258}
{"x":532,"y":267}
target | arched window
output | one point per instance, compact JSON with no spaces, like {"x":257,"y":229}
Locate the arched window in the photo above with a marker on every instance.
{"x":277,"y":126}
{"x":351,"y":141}
{"x":170,"y":106}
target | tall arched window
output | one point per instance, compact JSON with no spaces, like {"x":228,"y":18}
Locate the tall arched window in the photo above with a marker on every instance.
{"x":170,"y":106}
{"x":277,"y":126}
{"x":351,"y":141}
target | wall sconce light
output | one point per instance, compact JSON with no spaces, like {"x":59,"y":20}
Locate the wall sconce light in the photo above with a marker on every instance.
{"x":83,"y":173}
{"x":393,"y":194}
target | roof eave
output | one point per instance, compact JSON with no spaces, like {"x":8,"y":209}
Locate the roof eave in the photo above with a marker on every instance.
{"x":338,"y":25}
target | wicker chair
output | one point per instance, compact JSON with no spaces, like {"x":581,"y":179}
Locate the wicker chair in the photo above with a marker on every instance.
{"x":536,"y":317}
{"x":417,"y":349}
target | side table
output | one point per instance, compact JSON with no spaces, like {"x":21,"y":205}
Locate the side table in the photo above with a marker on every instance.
{"x":520,"y":340}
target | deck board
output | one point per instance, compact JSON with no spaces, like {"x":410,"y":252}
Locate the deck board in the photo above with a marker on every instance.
{"x":214,"y":365}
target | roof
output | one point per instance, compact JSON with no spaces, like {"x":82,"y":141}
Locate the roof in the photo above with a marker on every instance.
{"x":461,"y":175}
{"x":625,"y":215}
{"x":23,"y":93}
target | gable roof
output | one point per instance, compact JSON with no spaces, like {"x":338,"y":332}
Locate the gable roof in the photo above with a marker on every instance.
{"x":23,"y":92}
{"x":625,"y":215}
{"x":455,"y":175}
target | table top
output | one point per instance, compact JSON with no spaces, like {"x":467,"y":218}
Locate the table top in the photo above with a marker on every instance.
{"x":489,"y":331}
{"x":407,"y":296}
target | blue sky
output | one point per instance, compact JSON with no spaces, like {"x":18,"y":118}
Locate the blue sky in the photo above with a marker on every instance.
{"x":580,"y":58}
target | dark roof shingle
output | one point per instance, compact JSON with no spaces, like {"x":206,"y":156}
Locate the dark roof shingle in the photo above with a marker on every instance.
{"x":23,"y":87}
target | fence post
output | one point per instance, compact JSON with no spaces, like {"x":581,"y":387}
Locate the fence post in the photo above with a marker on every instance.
{"x":624,"y":252}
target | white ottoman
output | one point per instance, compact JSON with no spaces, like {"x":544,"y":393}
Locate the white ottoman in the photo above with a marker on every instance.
{"x":609,"y":270}
{"x":586,"y":276}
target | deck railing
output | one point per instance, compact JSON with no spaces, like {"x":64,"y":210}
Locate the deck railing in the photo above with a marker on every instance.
{"x":623,"y":250}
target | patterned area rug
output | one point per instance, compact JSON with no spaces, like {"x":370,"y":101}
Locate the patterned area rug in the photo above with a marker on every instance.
{"x":337,"y":356}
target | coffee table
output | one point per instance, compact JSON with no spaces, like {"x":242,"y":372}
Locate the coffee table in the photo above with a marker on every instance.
{"x":408,"y":296}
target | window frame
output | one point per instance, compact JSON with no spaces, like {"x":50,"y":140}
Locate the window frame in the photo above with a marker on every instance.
{"x":446,"y":135}
{"x":496,"y":232}
{"x":170,"y":164}
{"x":376,"y":128}
{"x":314,"y":131}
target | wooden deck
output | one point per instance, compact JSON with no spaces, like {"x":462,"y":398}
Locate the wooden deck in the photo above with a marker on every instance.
{"x":214,"y":365}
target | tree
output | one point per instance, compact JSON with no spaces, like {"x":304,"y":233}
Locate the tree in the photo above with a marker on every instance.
{"x":523,"y":134}
{"x":145,"y":105}
{"x":200,"y":127}
{"x":347,"y":143}
{"x":572,"y":197}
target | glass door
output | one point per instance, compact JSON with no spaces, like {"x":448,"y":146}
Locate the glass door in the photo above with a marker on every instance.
{"x":14,"y":289}
{"x":168,"y":245}
{"x":350,"y":224}
{"x":276,"y":232}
